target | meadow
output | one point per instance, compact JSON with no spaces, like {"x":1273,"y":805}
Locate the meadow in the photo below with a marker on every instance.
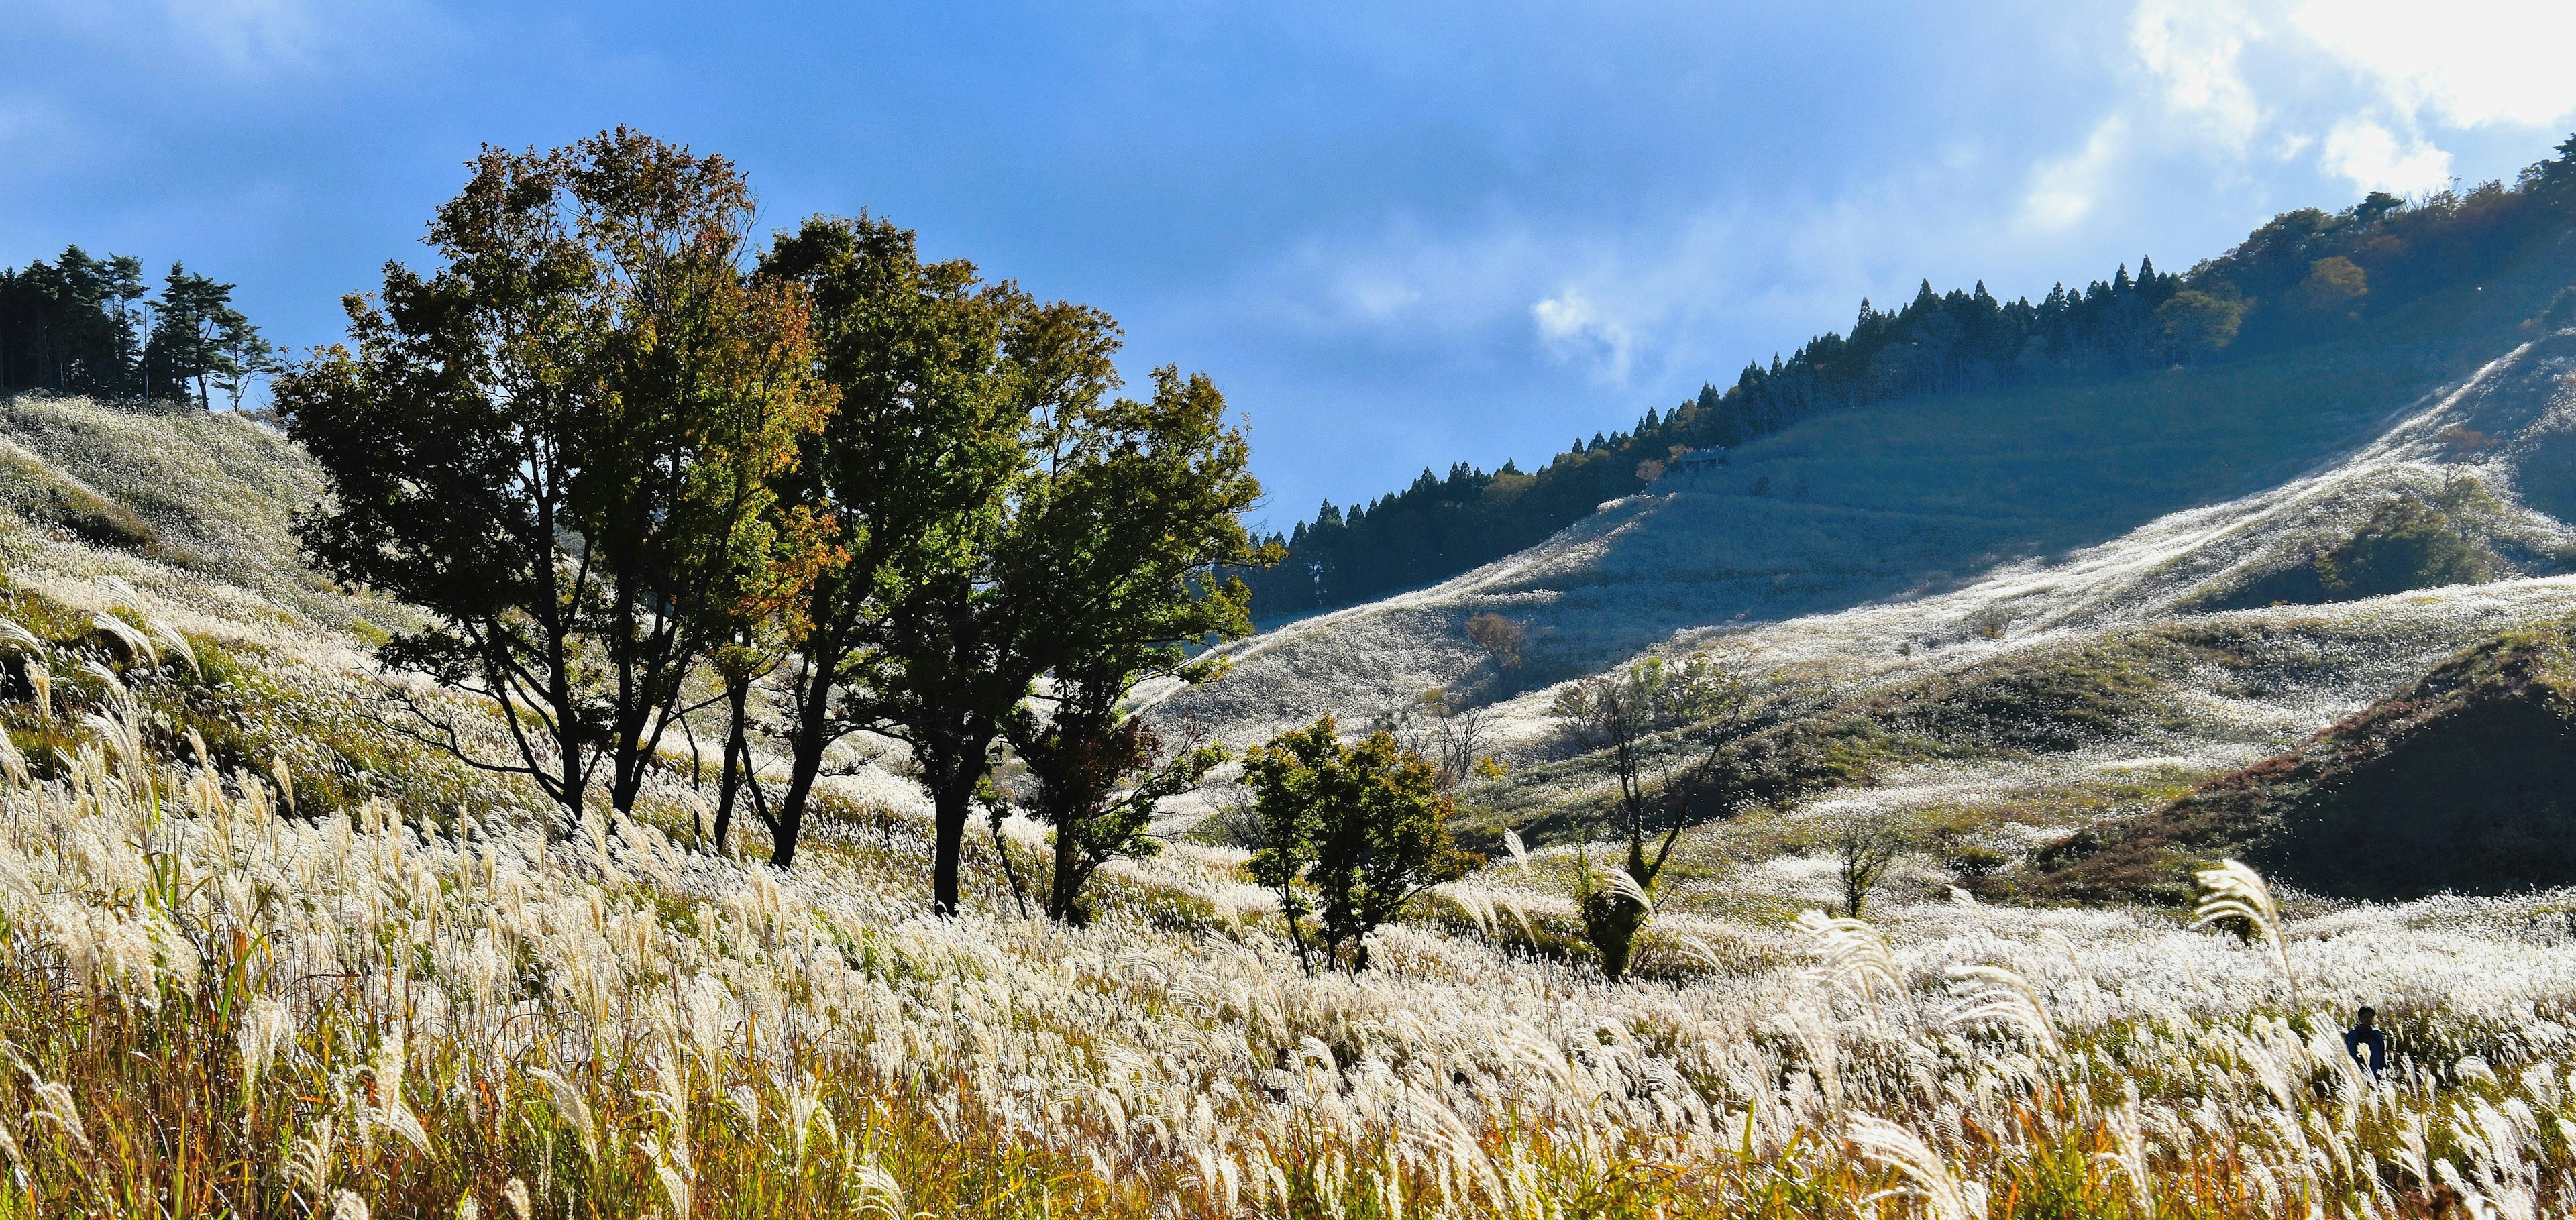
{"x":212,"y":1006}
{"x":259,"y":959}
{"x":221,"y":999}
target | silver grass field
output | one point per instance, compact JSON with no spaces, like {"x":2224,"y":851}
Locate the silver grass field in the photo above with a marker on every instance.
{"x":221,"y":995}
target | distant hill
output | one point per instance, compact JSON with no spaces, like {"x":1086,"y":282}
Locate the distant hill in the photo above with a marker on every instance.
{"x":2012,"y":511}
{"x":2465,"y":782}
{"x":2308,"y":278}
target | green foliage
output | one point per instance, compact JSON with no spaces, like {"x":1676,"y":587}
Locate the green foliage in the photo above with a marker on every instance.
{"x":2199,"y":324}
{"x":1364,"y":828}
{"x":1146,"y":500}
{"x":558,"y":446}
{"x":2334,"y":283}
{"x":197,"y":336}
{"x":78,"y":326}
{"x":909,"y":472}
{"x":1007,"y":517}
{"x":72,"y":326}
{"x":2410,"y":542}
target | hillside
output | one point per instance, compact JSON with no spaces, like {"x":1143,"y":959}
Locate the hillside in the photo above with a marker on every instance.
{"x":2308,"y":280}
{"x":2051,"y":507}
{"x":2463,"y":782}
{"x":382,"y":987}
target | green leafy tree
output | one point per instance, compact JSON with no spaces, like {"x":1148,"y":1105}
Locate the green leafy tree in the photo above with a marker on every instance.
{"x":243,"y":356}
{"x":557,"y":445}
{"x":2334,"y":283}
{"x":2412,"y":543}
{"x":1134,"y":507}
{"x":2200,"y":325}
{"x":929,"y":434}
{"x":121,"y":282}
{"x":1620,"y":717}
{"x":1046,"y":567}
{"x":1004,"y":516}
{"x":187,"y":334}
{"x":1364,"y":829}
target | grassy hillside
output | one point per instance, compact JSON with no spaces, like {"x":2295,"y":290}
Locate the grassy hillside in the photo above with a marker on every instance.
{"x":2309,"y":282}
{"x":186,"y":491}
{"x":358,"y":984}
{"x":2047,"y":505}
{"x":2466,"y":782}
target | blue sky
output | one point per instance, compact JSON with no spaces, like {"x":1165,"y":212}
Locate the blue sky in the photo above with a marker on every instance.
{"x":1398,"y":235}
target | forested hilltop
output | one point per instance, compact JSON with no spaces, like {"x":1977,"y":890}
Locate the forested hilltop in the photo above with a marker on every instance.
{"x":83,"y":324}
{"x":2307,"y":276}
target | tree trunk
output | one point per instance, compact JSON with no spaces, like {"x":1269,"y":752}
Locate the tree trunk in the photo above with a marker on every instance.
{"x":952,"y":802}
{"x":951,"y":769}
{"x":806,"y":743}
{"x":737,"y":746}
{"x":1066,"y":884}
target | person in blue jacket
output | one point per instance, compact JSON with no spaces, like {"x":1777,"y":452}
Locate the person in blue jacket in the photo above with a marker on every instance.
{"x":2366,"y":1042}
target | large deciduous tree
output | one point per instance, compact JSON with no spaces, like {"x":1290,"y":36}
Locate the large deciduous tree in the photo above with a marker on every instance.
{"x":929,"y":435}
{"x":969,"y":626}
{"x":1003,"y":517}
{"x":560,"y":444}
{"x":1137,"y":505}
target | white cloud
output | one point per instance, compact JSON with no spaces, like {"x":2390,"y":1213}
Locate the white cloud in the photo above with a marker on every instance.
{"x":247,"y":34}
{"x":2375,"y":159}
{"x":2064,"y":192}
{"x":2365,"y":90}
{"x":1378,"y":295}
{"x":2194,"y":48}
{"x":1574,"y":329}
{"x":2469,"y":63}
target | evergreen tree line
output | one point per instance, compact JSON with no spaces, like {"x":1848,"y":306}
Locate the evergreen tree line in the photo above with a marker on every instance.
{"x":2305,"y":276}
{"x":644,"y":477}
{"x":88,"y":325}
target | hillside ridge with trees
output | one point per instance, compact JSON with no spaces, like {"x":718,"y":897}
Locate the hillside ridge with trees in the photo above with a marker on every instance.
{"x":85,"y":325}
{"x":2306,"y":276}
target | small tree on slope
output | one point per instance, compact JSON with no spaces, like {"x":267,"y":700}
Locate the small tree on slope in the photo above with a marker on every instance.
{"x":1617,"y":715}
{"x":1363,"y":827}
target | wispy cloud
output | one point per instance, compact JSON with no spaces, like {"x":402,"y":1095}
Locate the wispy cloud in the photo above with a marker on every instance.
{"x":1574,"y":329}
{"x":2370,"y":89}
{"x":2065,"y":191}
{"x":248,"y":38}
{"x":251,"y":35}
{"x":2375,"y":158}
{"x":2194,"y":50}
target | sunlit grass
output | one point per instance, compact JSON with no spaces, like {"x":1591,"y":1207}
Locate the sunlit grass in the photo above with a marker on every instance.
{"x":213,"y":1008}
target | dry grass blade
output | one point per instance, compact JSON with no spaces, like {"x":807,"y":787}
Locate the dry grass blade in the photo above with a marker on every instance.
{"x":1927,"y":1176}
{"x":136,"y":645}
{"x":1856,"y":959}
{"x":1626,"y":886}
{"x":2234,"y":891}
{"x":14,"y":636}
{"x":2002,"y":996}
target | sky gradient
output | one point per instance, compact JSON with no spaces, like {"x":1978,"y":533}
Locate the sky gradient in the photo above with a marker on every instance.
{"x":1397,"y":239}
